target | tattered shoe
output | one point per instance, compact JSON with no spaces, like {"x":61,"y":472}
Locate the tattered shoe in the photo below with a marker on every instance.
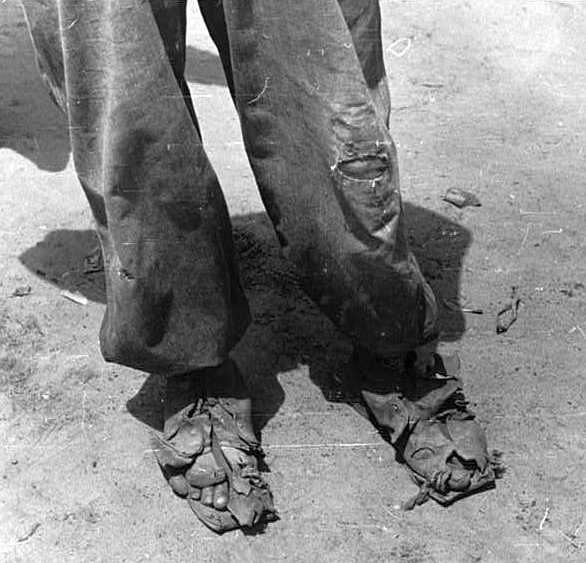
{"x":202,"y":428}
{"x":426,"y":419}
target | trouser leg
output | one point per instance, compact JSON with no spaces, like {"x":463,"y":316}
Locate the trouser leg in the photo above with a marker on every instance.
{"x":174,"y":302}
{"x":363,"y":19}
{"x":43,"y":24}
{"x":303,"y":79}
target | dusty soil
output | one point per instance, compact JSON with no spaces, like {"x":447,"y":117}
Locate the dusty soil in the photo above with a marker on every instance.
{"x":489,"y":97}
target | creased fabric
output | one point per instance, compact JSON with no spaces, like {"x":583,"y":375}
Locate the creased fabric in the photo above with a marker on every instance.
{"x":309,"y":84}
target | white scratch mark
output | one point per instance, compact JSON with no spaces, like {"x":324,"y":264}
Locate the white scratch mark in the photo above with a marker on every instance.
{"x":396,"y":49}
{"x":579,"y":329}
{"x":261,"y":93}
{"x":544,"y":519}
{"x":325,"y":445}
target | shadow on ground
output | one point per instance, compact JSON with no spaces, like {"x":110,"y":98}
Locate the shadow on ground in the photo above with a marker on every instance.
{"x":287,"y":330}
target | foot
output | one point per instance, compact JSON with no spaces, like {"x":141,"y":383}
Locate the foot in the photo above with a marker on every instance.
{"x":417,"y":401}
{"x":208,"y":450}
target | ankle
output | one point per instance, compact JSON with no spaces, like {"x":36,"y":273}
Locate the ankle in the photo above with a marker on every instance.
{"x":423,"y":357}
{"x":224,"y":380}
{"x":181,"y":390}
{"x":379,"y":375}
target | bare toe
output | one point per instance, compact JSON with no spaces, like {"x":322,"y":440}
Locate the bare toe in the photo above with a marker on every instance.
{"x":179,"y":485}
{"x":207,"y":496}
{"x":221,"y":496}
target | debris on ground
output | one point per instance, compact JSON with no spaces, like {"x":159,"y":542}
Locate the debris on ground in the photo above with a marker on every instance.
{"x":571,"y":539}
{"x":22,"y":291}
{"x":75,"y":297}
{"x":400,"y":46}
{"x":572,"y":289}
{"x":455,"y":306}
{"x":579,"y":329}
{"x":545,"y":516}
{"x":508,"y":314}
{"x":461,"y":198}
{"x":30,"y":533}
{"x":93,"y":262}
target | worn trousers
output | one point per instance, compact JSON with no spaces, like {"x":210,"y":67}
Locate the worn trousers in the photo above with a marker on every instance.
{"x":308,"y":81}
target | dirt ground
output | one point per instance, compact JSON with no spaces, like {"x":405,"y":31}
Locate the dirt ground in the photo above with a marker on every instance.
{"x":489,"y":97}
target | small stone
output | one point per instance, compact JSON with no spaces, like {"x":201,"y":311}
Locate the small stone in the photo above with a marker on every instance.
{"x":22,"y":291}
